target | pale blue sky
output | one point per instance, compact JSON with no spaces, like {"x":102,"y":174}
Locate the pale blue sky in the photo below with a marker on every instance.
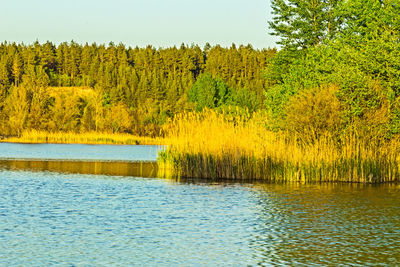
{"x":138,"y":22}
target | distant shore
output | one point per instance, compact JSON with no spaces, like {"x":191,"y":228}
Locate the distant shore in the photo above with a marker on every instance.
{"x":92,"y":138}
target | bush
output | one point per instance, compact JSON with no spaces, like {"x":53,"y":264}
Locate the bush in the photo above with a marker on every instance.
{"x":313,"y":113}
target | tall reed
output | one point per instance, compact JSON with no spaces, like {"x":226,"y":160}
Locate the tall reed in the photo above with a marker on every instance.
{"x":210,"y":145}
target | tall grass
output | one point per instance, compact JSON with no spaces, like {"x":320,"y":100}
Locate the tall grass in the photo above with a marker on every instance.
{"x":33,"y":136}
{"x":208,"y":145}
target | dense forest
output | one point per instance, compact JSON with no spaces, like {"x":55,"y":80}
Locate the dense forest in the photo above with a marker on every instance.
{"x":113,"y":88}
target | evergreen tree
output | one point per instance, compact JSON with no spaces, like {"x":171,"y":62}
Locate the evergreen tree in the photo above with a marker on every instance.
{"x":4,"y":72}
{"x":17,"y":68}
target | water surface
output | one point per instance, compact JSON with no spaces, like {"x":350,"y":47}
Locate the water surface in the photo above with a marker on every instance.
{"x":77,"y":220}
{"x":79,"y":152}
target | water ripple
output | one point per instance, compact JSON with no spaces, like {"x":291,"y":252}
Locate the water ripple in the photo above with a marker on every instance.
{"x":74,"y":220}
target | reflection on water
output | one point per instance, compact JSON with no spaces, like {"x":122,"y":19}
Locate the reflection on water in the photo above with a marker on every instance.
{"x":118,"y":168}
{"x":49,"y":218}
{"x":328,"y":224}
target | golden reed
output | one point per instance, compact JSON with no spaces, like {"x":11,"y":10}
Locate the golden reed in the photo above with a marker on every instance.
{"x":216,"y":146}
{"x":34,"y":136}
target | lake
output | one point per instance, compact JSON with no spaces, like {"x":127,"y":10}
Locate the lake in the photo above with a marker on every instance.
{"x":73,"y":216}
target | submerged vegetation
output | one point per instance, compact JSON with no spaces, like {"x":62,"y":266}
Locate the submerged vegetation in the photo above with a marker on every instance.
{"x":325,"y":107}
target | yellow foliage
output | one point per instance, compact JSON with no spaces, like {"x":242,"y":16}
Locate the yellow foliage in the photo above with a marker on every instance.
{"x":118,"y":118}
{"x":313,"y":113}
{"x":17,"y":110}
{"x":79,"y":91}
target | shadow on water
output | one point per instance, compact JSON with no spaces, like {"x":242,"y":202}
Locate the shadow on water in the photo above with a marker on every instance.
{"x":117,"y":168}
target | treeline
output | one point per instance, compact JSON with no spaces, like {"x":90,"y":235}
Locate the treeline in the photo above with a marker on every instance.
{"x":73,"y":87}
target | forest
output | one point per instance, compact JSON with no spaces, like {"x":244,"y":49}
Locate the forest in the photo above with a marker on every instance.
{"x":83,"y":88}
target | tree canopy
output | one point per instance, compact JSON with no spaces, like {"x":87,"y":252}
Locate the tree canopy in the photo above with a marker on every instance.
{"x":302,"y":24}
{"x":353,"y":46}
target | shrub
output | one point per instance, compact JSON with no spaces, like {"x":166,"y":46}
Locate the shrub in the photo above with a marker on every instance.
{"x":313,"y":113}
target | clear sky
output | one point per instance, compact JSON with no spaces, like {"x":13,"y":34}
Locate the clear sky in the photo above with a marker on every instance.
{"x":138,"y":22}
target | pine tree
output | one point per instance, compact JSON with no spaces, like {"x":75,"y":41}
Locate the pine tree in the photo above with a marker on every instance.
{"x":47,"y":57}
{"x":4,"y":72}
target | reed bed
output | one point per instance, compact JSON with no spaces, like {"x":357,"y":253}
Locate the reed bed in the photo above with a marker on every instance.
{"x":210,"y":145}
{"x":34,"y":136}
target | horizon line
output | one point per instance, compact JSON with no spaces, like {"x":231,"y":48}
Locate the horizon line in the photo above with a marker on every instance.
{"x":193,"y":44}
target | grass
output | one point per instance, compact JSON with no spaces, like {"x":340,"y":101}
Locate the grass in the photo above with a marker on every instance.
{"x":208,"y":145}
{"x":33,"y":136}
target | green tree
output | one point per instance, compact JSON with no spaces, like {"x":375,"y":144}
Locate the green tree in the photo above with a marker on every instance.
{"x":245,"y":98}
{"x":208,"y":92}
{"x":65,"y":112}
{"x":302,"y":24}
{"x":369,"y":19}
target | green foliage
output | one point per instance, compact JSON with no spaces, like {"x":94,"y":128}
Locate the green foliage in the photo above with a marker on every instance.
{"x":302,"y":24}
{"x":39,"y":109}
{"x":212,"y":93}
{"x":208,"y":92}
{"x":246,"y":99}
{"x":354,"y":70}
{"x":362,"y":58}
{"x":369,"y":19}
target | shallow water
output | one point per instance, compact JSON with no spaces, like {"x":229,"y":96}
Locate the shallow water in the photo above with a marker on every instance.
{"x":48,"y":217}
{"x":79,"y":152}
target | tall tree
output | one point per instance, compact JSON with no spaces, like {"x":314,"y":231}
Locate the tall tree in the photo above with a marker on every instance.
{"x":301,"y":24}
{"x":17,"y":68}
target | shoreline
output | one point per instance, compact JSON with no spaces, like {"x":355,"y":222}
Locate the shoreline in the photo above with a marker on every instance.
{"x":90,"y":138}
{"x":244,"y":151}
{"x":75,"y":143}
